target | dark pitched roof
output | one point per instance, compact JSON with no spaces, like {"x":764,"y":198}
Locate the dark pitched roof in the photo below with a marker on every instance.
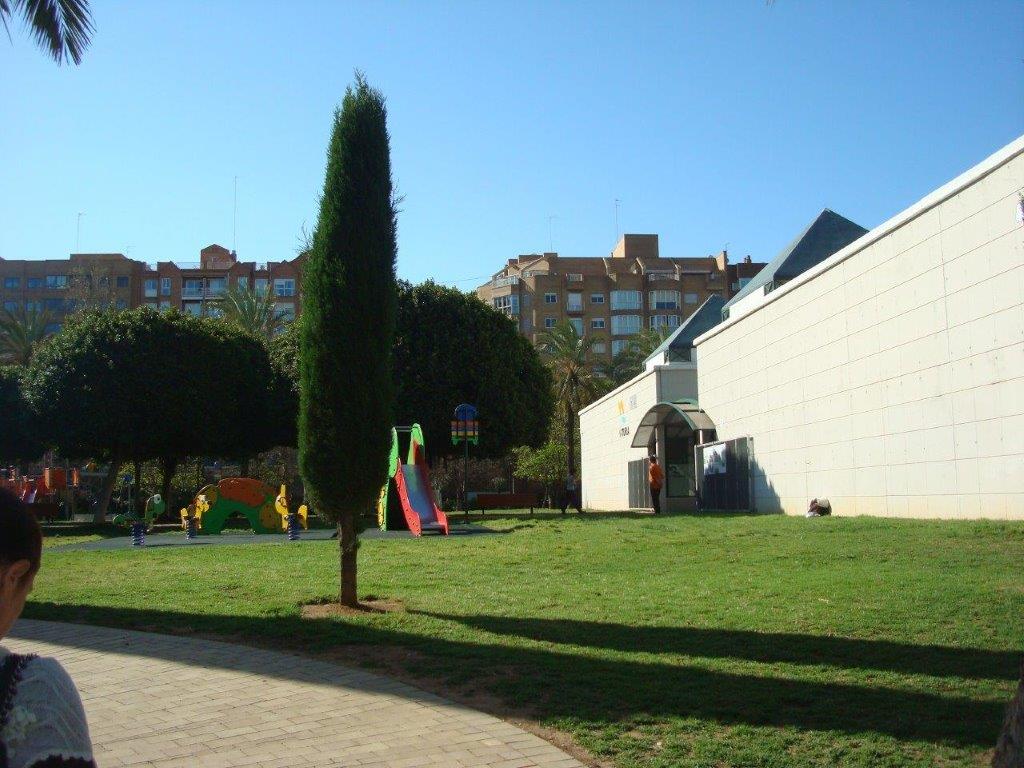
{"x":706,"y":317}
{"x":826,"y":235}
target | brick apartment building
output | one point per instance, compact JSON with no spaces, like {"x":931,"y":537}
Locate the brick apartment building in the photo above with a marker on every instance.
{"x":58,"y":286}
{"x":614,"y":296}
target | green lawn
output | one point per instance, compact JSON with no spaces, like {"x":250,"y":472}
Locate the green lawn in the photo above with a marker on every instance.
{"x":677,"y":641}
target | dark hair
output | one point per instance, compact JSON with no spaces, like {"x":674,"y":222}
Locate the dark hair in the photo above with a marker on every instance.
{"x":20,"y":537}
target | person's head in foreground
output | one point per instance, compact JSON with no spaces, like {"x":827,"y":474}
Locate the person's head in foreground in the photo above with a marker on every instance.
{"x":42,"y":722}
{"x":21,"y":546}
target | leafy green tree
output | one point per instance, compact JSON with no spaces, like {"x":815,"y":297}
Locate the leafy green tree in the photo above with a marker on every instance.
{"x":568,"y":356}
{"x":452,"y":348}
{"x":252,"y":311}
{"x":545,"y":465}
{"x":18,"y":441}
{"x":141,"y":384}
{"x":20,"y":334}
{"x":62,"y":27}
{"x":348,"y":327}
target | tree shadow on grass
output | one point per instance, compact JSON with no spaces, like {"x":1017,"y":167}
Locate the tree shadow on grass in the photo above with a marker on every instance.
{"x":554,"y":684}
{"x":761,"y":647}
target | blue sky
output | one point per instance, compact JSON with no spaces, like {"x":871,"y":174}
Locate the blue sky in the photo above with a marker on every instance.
{"x":717,"y":124}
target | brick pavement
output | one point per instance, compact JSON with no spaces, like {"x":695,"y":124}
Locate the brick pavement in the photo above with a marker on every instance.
{"x":159,"y":700}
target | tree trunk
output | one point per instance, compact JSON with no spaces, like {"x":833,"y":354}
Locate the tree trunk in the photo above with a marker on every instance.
{"x":570,"y":437}
{"x":1010,"y":747}
{"x":137,"y":495}
{"x":169,"y":465}
{"x":348,"y":544}
{"x":99,"y":516}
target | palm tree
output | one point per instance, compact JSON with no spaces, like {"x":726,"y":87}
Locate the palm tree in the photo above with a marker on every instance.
{"x":629,"y":361}
{"x":20,"y":332}
{"x":252,"y":311}
{"x":62,"y":27}
{"x":568,"y":355}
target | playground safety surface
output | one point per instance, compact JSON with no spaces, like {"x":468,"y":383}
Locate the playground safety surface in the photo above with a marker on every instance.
{"x":158,"y":700}
{"x":318,"y":534}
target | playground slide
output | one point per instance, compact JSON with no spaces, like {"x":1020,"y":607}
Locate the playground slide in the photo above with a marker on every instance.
{"x":409,"y":488}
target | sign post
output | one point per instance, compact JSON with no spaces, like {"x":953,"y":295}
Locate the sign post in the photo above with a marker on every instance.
{"x":465,"y":429}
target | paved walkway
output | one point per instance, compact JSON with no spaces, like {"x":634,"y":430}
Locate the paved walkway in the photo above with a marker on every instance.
{"x":158,"y":700}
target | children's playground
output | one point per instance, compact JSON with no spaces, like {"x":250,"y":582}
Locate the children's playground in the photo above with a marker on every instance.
{"x":237,"y":510}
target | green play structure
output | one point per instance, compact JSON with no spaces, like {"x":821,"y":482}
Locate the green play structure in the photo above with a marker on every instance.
{"x":254,"y":500}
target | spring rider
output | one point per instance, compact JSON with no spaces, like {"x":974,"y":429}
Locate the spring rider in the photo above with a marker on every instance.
{"x":155,"y":507}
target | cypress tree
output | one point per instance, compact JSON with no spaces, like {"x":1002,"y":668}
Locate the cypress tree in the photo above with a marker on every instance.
{"x":349,"y":308}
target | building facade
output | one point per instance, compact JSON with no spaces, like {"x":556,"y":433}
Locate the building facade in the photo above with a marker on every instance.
{"x":614,"y":296}
{"x":59,"y":286}
{"x":889,"y":378}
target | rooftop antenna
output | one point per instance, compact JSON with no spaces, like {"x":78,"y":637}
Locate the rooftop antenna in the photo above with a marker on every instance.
{"x":78,"y":233}
{"x":551,"y":236}
{"x":234,"y":220}
{"x":617,"y":202}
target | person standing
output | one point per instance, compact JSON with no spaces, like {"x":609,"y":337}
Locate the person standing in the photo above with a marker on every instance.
{"x":656,"y":479}
{"x":570,"y":495}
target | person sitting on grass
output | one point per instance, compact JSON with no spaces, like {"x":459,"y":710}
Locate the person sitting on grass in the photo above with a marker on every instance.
{"x":42,"y":721}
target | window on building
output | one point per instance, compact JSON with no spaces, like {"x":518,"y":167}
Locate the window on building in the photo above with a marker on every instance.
{"x":662,"y":322}
{"x":597,"y":298}
{"x":599,"y":348}
{"x":550,"y":298}
{"x":56,"y":281}
{"x":508,"y":305}
{"x":574,"y":302}
{"x":242,"y":283}
{"x":192,"y":308}
{"x":165,"y":286}
{"x":626,"y":300}
{"x":261,"y":285}
{"x":577,"y":323}
{"x":216,"y":286}
{"x":11,"y":306}
{"x":549,"y":322}
{"x":597,"y":323}
{"x":150,"y":287}
{"x":165,"y":304}
{"x":618,"y":345}
{"x":574,"y":277}
{"x":623,"y":325}
{"x":35,"y":282}
{"x":193,"y":287}
{"x":286,"y":310}
{"x":691,"y":298}
{"x":103,"y":282}
{"x":12,"y":282}
{"x":53,"y":305}
{"x":284,"y":287}
{"x":212,"y":310}
{"x":122,"y":281}
{"x":33,"y":306}
{"x":664,"y":300}
{"x":122,"y":304}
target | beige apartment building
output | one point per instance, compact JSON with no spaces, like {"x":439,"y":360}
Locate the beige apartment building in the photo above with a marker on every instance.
{"x":59,"y":286}
{"x":634,"y":287}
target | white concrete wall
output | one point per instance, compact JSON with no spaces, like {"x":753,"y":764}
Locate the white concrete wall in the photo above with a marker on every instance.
{"x":604,"y":451}
{"x":890,"y":378}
